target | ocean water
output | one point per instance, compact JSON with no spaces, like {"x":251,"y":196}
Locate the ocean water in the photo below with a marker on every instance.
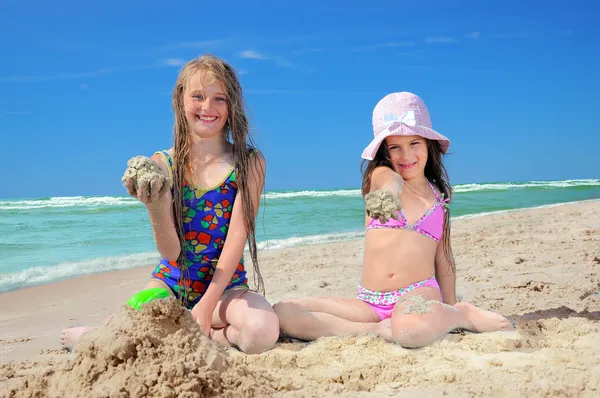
{"x":48,"y":239}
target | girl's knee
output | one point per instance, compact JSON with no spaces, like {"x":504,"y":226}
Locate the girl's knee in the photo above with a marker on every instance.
{"x":406,"y":331}
{"x":259,"y":333}
{"x":412,"y":330}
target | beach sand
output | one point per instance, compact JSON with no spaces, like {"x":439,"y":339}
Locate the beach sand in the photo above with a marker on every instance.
{"x":540,"y":266}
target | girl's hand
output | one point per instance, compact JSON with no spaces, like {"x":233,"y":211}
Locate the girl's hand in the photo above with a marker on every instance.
{"x":145,"y":180}
{"x":384,"y":201}
{"x":382,"y":205}
{"x":147,"y":192}
{"x":202,"y":314}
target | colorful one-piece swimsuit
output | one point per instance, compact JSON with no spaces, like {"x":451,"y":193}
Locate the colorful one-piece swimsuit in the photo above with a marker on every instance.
{"x":206,"y":213}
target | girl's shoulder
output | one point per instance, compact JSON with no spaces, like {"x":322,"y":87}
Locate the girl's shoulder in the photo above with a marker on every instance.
{"x":252,"y":150}
{"x":254,"y":155}
{"x":256,"y":163}
{"x":165,"y":154}
{"x":164,"y":159}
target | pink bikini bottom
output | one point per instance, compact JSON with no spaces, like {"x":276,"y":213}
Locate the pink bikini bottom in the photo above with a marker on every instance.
{"x":383,"y":303}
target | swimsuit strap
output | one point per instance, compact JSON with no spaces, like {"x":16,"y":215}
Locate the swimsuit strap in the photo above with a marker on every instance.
{"x":169,"y":161}
{"x":434,"y":191}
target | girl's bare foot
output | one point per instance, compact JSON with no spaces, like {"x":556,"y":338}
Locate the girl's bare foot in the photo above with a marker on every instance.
{"x":70,"y":337}
{"x":482,"y":320}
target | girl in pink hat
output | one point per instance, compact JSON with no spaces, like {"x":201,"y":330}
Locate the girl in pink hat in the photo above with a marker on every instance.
{"x":407,"y":292}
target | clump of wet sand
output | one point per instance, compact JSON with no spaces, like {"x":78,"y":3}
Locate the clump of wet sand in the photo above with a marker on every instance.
{"x":416,"y":305}
{"x":144,"y":172}
{"x":382,"y":204}
{"x":158,"y":351}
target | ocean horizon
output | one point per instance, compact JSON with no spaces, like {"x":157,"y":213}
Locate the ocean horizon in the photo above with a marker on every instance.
{"x":44,"y":240}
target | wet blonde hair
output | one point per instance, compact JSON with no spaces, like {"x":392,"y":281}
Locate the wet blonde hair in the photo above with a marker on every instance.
{"x":236,"y":131}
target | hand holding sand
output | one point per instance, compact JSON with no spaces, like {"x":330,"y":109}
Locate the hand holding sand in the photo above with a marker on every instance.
{"x":202,"y":314}
{"x":383,"y":205}
{"x":145,"y":180}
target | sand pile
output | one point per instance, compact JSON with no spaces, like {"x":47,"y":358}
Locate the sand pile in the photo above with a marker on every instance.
{"x":382,"y":205}
{"x":145,"y":171}
{"x":156,"y":352}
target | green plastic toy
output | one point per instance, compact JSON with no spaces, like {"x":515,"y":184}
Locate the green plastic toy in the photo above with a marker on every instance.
{"x":146,"y":296}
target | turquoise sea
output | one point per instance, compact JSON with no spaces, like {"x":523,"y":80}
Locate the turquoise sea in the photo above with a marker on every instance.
{"x":49,"y":239}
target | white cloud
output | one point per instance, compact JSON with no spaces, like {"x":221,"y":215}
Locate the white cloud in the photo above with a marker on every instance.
{"x":440,"y":40}
{"x":279,"y":61}
{"x":473,"y":35}
{"x":173,"y":62}
{"x":385,"y":45}
{"x":251,"y":54}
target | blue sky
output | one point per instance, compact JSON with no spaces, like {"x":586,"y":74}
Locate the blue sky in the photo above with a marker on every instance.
{"x":84,"y":87}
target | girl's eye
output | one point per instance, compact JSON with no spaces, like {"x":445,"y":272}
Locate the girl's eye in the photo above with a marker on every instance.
{"x":415,"y":143}
{"x":197,"y":96}
{"x":222,"y":99}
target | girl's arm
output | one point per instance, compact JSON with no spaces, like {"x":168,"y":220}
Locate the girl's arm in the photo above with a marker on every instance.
{"x":385,"y":178}
{"x":445,"y":275}
{"x":162,"y":220}
{"x":237,"y":235}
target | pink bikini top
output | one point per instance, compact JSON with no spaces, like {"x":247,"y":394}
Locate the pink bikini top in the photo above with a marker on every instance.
{"x":431,"y":224}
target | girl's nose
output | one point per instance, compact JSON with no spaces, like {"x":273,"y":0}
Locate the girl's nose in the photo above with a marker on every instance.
{"x":207,"y":104}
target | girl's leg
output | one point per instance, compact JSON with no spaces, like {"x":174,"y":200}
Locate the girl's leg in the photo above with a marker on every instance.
{"x":70,"y":337}
{"x":310,"y":318}
{"x":245,"y":320}
{"x":420,"y":318}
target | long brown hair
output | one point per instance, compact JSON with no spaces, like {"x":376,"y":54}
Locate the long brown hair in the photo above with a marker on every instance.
{"x":435,"y":171}
{"x":236,"y":131}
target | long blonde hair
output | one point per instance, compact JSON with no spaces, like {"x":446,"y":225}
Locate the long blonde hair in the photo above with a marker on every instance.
{"x":236,"y":131}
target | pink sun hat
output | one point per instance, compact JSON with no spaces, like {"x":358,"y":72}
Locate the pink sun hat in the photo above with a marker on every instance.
{"x":401,"y":113}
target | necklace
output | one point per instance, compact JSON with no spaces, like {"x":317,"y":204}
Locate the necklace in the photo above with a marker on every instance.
{"x":413,"y":188}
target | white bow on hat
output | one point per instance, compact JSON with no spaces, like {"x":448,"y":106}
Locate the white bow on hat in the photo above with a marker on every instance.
{"x":393,"y":121}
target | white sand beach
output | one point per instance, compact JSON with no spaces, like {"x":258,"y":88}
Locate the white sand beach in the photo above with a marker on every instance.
{"x":539,"y":266}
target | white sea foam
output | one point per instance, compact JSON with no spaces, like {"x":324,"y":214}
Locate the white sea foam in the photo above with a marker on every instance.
{"x":530,"y":184}
{"x":39,"y":275}
{"x":67,"y":201}
{"x":312,"y":194}
{"x":110,"y":201}
{"x":457,"y":188}
{"x":307,"y":240}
